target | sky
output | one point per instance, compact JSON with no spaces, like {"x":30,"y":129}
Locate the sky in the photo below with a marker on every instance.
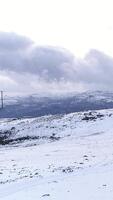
{"x":56,"y":45}
{"x":77,"y":25}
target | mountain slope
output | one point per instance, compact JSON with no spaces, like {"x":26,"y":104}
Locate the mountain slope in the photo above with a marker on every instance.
{"x":79,"y":165}
{"x":34,"y":105}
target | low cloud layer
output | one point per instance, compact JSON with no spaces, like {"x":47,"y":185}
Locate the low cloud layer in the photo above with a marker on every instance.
{"x":28,"y":68}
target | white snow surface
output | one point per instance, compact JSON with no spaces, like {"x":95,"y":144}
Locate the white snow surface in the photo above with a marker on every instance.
{"x":71,"y":160}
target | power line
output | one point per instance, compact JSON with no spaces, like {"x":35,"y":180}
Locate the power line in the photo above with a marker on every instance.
{"x":2,"y":100}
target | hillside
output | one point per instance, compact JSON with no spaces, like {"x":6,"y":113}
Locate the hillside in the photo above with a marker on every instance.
{"x":36,"y":105}
{"x":57,"y":157}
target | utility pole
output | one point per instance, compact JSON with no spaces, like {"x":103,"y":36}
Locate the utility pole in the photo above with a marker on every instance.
{"x":2,"y":100}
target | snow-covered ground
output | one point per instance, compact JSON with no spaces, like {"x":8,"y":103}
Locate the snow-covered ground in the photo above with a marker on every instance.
{"x":57,"y":157}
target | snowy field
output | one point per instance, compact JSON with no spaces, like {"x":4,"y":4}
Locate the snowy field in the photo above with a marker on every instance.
{"x":63,"y":157}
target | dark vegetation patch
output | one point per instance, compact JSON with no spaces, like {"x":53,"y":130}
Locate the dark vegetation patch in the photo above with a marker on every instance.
{"x":4,"y":135}
{"x":67,"y":170}
{"x":92,"y":116}
{"x":45,"y":195}
{"x":5,"y":138}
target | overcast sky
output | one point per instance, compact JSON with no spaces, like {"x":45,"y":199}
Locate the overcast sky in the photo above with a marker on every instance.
{"x":56,"y":45}
{"x":77,"y":25}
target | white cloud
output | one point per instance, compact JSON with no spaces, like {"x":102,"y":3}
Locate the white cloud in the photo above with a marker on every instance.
{"x":26,"y":67}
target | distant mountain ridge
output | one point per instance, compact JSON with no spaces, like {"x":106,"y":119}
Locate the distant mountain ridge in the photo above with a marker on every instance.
{"x":35,"y":105}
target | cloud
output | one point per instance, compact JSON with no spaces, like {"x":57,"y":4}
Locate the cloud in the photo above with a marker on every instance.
{"x":96,"y":70}
{"x":13,"y":42}
{"x":26,"y":67}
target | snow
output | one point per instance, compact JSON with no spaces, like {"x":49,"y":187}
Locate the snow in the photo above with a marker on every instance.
{"x":77,"y":166}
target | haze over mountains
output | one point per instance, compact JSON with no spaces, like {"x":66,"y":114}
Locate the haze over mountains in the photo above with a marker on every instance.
{"x":35,"y":105}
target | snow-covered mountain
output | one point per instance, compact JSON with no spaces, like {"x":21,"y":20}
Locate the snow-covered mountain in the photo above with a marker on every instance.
{"x":36,"y":105}
{"x":57,"y":157}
